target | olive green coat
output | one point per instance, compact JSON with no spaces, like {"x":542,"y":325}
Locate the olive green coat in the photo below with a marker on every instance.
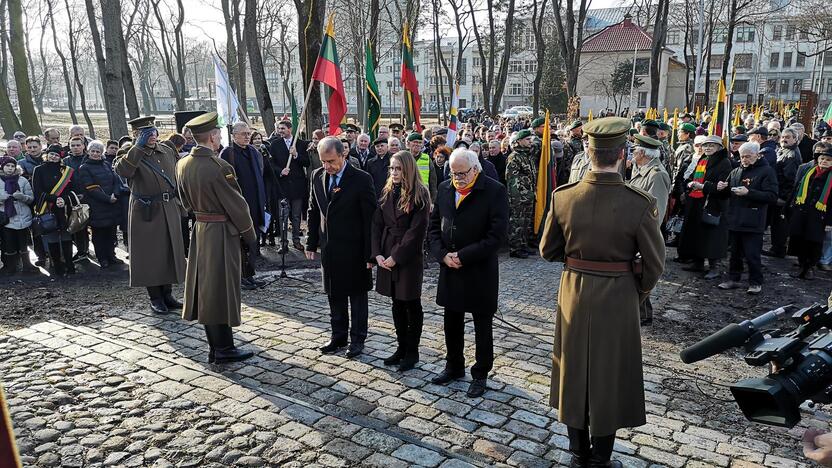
{"x":157,"y":253}
{"x":208,"y":185}
{"x":597,"y":352}
{"x":653,"y":179}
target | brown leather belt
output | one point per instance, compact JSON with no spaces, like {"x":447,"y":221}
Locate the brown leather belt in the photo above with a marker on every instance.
{"x":211,"y":218}
{"x":600,"y":267}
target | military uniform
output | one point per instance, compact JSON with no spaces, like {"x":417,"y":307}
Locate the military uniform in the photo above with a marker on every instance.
{"x":580,"y":166}
{"x":597,"y":227}
{"x":208,"y":187}
{"x":521,"y":193}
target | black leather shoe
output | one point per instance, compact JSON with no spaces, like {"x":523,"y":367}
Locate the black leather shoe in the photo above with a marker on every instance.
{"x":477,"y":388}
{"x":332,"y":347}
{"x":394,"y":358}
{"x":518,"y":254}
{"x":606,"y":464}
{"x":579,"y":461}
{"x":354,"y":351}
{"x":298,"y":246}
{"x":712,"y":274}
{"x":158,"y":306}
{"x":447,"y":375}
{"x":104,"y":264}
{"x":230,"y":355}
{"x":409,"y":362}
{"x":646,"y":322}
{"x":248,"y":284}
{"x":172,"y":303}
{"x":774,"y":253}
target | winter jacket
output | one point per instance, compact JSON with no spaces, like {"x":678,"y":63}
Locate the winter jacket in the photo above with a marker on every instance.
{"x":28,"y":164}
{"x":99,"y":183}
{"x":23,"y":218}
{"x":748,"y":213}
{"x":788,"y":160}
{"x":768,"y":150}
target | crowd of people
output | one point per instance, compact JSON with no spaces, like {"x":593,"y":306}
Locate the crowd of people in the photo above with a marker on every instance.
{"x":407,"y":199}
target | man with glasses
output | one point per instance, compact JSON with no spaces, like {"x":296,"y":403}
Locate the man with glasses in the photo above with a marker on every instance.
{"x":468,"y":225}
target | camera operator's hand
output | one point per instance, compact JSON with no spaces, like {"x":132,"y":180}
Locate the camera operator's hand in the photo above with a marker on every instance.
{"x":817,"y":446}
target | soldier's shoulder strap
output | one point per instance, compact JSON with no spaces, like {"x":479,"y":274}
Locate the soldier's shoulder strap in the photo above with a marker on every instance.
{"x":565,"y":187}
{"x":226,"y":168}
{"x":646,"y":198}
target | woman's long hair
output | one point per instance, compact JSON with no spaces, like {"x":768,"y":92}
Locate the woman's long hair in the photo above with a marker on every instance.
{"x":413,"y":191}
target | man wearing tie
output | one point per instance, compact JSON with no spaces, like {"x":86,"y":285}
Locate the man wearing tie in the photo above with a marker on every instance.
{"x":362,"y":151}
{"x":292,"y":177}
{"x":342,"y":201}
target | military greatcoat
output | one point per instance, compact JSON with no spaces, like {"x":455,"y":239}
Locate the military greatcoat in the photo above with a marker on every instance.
{"x":208,"y":186}
{"x":597,"y":381}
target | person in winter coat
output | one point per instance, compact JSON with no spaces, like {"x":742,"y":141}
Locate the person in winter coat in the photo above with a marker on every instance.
{"x":15,"y":197}
{"x":399,"y":229}
{"x":78,"y":155}
{"x":768,"y":148}
{"x":51,"y":186}
{"x":788,"y":160}
{"x":705,"y":231}
{"x":752,"y":187}
{"x":102,"y":189}
{"x":32,"y":158}
{"x":810,"y":218}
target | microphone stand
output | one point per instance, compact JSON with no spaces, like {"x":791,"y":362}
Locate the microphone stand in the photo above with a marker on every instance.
{"x":284,"y":235}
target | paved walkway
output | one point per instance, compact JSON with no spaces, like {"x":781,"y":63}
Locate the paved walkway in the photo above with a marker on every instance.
{"x":136,"y":390}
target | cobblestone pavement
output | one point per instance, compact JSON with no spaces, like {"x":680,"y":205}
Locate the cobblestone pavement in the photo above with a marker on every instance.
{"x":134,"y":389}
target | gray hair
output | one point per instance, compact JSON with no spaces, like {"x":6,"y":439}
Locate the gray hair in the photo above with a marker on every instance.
{"x":329,"y":144}
{"x":799,"y":128}
{"x":392,"y":139}
{"x":790,"y":130}
{"x":239,"y":126}
{"x":96,"y":144}
{"x":773,"y":124}
{"x":74,"y":128}
{"x":363,"y":135}
{"x":651,"y":153}
{"x":13,"y":142}
{"x":470,"y":156}
{"x":749,"y":148}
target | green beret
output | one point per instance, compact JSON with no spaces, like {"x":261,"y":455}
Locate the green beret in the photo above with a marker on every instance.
{"x":607,"y":132}
{"x":646,"y":142}
{"x":538,"y":122}
{"x":414,"y":137}
{"x":651,"y":123}
{"x":142,"y":122}
{"x":576,"y":124}
{"x":525,"y":133}
{"x":396,"y":126}
{"x":665,"y":127}
{"x":203,"y":123}
{"x":741,"y":129}
{"x":688,"y":127}
{"x":633,"y":131}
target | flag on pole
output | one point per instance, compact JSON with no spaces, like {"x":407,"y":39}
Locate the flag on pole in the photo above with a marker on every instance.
{"x":408,"y":80}
{"x":452,"y":121}
{"x":227,"y":102}
{"x":675,"y":126}
{"x":328,"y":71}
{"x":827,"y":116}
{"x":546,"y":175}
{"x":698,"y":116}
{"x":665,"y":115}
{"x":737,"y":118}
{"x":589,"y":117}
{"x":294,"y":108}
{"x":718,"y":121}
{"x":373,"y":100}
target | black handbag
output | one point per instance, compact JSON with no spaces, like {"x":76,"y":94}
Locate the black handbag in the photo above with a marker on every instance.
{"x":4,"y":219}
{"x":709,"y":218}
{"x":45,"y":223}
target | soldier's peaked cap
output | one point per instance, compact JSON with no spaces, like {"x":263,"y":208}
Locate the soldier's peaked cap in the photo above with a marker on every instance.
{"x":203,"y":123}
{"x":646,"y":141}
{"x":607,"y":132}
{"x":142,"y":122}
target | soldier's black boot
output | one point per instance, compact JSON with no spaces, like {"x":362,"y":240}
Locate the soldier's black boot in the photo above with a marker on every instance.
{"x":157,"y":299}
{"x":415,"y":318}
{"x":170,"y":301}
{"x":400,"y":324}
{"x":518,"y":254}
{"x":212,"y":340}
{"x":579,"y":447}
{"x":224,"y":349}
{"x":602,"y":453}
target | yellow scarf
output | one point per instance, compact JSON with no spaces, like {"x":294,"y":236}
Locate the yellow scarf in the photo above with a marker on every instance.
{"x":464,"y":190}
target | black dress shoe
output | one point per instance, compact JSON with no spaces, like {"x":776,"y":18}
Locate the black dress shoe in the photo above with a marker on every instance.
{"x":248,"y":284}
{"x":447,"y":375}
{"x":579,"y":461}
{"x":774,"y":253}
{"x":394,"y":358}
{"x":646,"y":322}
{"x":230,"y":355}
{"x":605,"y":464}
{"x":331,"y":347}
{"x":696,"y":267}
{"x":158,"y":306}
{"x":354,"y":351}
{"x":518,"y":254}
{"x":477,"y":388}
{"x":712,"y":274}
{"x":172,"y":303}
{"x":104,"y":264}
{"x":298,"y":246}
{"x":409,"y":362}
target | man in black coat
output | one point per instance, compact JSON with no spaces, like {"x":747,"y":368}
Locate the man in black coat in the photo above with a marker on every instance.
{"x":805,"y":142}
{"x":362,"y":151}
{"x":468,"y":225}
{"x":292,"y":178}
{"x":379,"y":166}
{"x":341,"y":207}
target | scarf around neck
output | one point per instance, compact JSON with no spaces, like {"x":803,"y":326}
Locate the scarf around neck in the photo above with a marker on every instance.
{"x":803,"y":189}
{"x":11,"y":186}
{"x":699,"y":176}
{"x":464,"y":190}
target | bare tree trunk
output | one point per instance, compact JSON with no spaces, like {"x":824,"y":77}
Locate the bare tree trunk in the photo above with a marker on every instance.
{"x":79,"y":85}
{"x":230,"y":49}
{"x":258,"y":72}
{"x":502,"y":72}
{"x":113,"y":86}
{"x":127,"y":81}
{"x":4,"y":46}
{"x":28,"y":116}
{"x":438,"y":60}
{"x":570,"y":32}
{"x":656,"y":48}
{"x":540,"y":49}
{"x":729,"y":44}
{"x":70,"y":99}
{"x":241,"y":56}
{"x":310,"y":32}
{"x":179,"y":53}
{"x":707,"y":61}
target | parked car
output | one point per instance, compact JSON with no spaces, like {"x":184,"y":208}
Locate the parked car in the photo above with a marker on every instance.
{"x":523,"y":111}
{"x":510,"y":113}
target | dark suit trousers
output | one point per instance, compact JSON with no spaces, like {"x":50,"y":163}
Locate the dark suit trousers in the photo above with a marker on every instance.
{"x":483,"y":341}
{"x":296,"y":207}
{"x":340,"y":319}
{"x":746,"y":246}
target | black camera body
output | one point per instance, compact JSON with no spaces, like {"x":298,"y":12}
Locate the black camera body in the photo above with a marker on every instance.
{"x":801,"y":361}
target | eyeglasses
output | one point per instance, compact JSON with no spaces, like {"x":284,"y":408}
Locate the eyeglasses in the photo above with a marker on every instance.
{"x":461,"y":175}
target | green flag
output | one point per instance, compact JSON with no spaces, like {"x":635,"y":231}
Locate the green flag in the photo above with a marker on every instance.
{"x":373,"y":101}
{"x":294,"y":110}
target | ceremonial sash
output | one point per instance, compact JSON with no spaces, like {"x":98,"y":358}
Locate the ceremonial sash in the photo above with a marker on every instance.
{"x":803,"y":189}
{"x":59,"y":187}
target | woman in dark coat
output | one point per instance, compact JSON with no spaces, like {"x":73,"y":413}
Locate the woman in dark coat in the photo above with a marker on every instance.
{"x":399,"y":227}
{"x":45,"y":179}
{"x":705,"y":231}
{"x":102,"y":188}
{"x":810,"y":213}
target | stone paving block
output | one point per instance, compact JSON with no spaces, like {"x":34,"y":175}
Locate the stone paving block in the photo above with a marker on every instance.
{"x":664,"y":458}
{"x":379,"y":460}
{"x":343,"y":448}
{"x":486,"y":417}
{"x":418,"y":455}
{"x":302,"y":414}
{"x":493,"y":450}
{"x":180,"y":373}
{"x":703,"y":455}
{"x":780,"y":462}
{"x":209,"y":382}
{"x":265,"y":419}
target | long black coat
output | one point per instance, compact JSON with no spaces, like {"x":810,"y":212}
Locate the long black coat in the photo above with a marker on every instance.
{"x":697,"y":239}
{"x":100,"y":183}
{"x":807,"y":222}
{"x":475,"y":230}
{"x":400,"y":235}
{"x":788,"y":160}
{"x":294,"y":185}
{"x":379,"y":169}
{"x":341,"y":227}
{"x":748,"y":213}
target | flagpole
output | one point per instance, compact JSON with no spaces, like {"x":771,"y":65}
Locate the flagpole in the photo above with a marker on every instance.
{"x":301,"y":118}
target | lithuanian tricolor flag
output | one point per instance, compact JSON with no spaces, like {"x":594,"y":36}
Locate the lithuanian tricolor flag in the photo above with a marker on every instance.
{"x":408,"y":80}
{"x":719,"y":117}
{"x":546,"y":176}
{"x":328,"y":72}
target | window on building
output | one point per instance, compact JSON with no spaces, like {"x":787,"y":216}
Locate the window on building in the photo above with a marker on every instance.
{"x":801,"y":59}
{"x":777,"y":33}
{"x":784,"y":86}
{"x":774,"y":60}
{"x":745,"y":34}
{"x":515,"y":66}
{"x":720,"y":35}
{"x":743,"y":61}
{"x":787,"y":59}
{"x":643,"y":66}
{"x":673,"y":37}
{"x":829,"y":86}
{"x":531,"y":66}
{"x":741,"y":86}
{"x":515,"y":89}
{"x":827,"y":59}
{"x":475,"y":80}
{"x":528,"y":89}
{"x":790,"y":30}
{"x":716,"y":60}
{"x":771,"y":86}
{"x":463,"y":71}
{"x":475,"y":62}
{"x":642,"y":98}
{"x":797,"y":85}
{"x":804,"y":35}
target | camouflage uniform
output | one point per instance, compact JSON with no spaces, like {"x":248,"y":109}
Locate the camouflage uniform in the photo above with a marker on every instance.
{"x":684,"y":151}
{"x":520,"y":182}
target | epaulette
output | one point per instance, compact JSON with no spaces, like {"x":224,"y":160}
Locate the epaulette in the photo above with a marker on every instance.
{"x":566,"y":186}
{"x":226,"y":169}
{"x":641,"y":192}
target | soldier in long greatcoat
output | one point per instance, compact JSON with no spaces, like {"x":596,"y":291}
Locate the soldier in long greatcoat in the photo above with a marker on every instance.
{"x":208,"y":187}
{"x":598,"y":227}
{"x":157,"y":252}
